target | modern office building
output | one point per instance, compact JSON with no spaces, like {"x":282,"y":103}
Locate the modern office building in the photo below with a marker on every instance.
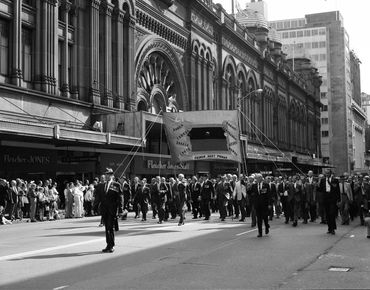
{"x":322,"y":38}
{"x":83,"y":85}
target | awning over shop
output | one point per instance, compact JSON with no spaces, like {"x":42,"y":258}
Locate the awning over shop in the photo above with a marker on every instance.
{"x":58,"y":132}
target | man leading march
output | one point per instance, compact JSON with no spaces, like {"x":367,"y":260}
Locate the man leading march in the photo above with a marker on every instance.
{"x":110,"y":199}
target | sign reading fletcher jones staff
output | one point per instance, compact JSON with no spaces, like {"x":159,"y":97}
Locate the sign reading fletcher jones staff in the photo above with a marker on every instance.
{"x":203,"y":135}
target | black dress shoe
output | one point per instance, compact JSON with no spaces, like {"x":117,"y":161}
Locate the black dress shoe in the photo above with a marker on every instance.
{"x":267,"y":230}
{"x":294,"y":224}
{"x":368,"y":237}
{"x":206,"y":219}
{"x":194,"y":218}
{"x":253,"y":225}
{"x":242,"y":220}
{"x":332,"y":232}
{"x":222,"y":219}
{"x":108,"y":250}
{"x":259,"y":235}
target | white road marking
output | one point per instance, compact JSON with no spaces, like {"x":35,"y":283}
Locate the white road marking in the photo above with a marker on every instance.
{"x":61,"y":287}
{"x":243,"y":233}
{"x":15,"y":256}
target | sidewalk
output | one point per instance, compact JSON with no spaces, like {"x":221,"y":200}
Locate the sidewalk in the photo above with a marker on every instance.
{"x":345,"y":265}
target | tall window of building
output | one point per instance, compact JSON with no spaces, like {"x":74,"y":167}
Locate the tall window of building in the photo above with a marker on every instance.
{"x":4,"y":47}
{"x":307,"y":45}
{"x":292,"y":34}
{"x":323,"y":95}
{"x":70,"y":54}
{"x":324,"y":108}
{"x":27,"y":54}
{"x":324,"y":121}
{"x":324,"y":134}
{"x":307,"y":32}
{"x":60,"y":59}
{"x":294,"y":23}
{"x":285,"y":34}
{"x":280,"y":25}
{"x":322,"y":31}
{"x":322,"y":57}
{"x":314,"y":32}
{"x":322,"y":44}
{"x":299,"y":33}
{"x":315,"y":45}
{"x":286,"y":24}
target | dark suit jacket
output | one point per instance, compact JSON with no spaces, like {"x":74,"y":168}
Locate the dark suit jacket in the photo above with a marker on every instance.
{"x":262,"y":197}
{"x":111,"y":200}
{"x":334,"y":195}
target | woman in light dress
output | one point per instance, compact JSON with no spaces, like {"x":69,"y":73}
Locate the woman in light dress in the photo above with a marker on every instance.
{"x":78,"y":199}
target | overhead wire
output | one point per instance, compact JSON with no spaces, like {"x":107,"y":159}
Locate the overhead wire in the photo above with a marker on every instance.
{"x":137,"y":149}
{"x":272,"y":143}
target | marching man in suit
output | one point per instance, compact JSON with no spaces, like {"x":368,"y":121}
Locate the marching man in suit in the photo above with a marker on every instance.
{"x":110,"y":198}
{"x":331,"y":197}
{"x":263,"y":202}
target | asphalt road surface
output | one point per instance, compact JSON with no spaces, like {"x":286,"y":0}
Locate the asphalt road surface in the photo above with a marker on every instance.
{"x":66,"y":254}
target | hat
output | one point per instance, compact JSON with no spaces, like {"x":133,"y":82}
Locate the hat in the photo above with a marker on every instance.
{"x":108,"y":171}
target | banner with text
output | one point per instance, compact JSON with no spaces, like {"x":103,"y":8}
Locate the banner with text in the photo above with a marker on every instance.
{"x":203,"y":135}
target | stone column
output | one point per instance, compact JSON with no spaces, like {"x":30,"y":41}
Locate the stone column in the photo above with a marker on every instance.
{"x":65,"y":77}
{"x":73,"y":86}
{"x":130,"y":63}
{"x":118,"y":72}
{"x":107,"y":10}
{"x":200,"y":84}
{"x":94,"y":52}
{"x":210,"y":96}
{"x":193,"y":81}
{"x":224,"y":95}
{"x":16,"y":71}
{"x":205,"y":83}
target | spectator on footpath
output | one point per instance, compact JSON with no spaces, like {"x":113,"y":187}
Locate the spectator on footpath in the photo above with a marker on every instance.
{"x":68,"y":200}
{"x":78,"y":199}
{"x":32,"y":197}
{"x":88,"y":200}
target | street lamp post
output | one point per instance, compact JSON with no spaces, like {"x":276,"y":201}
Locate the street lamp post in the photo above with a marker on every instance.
{"x":240,"y":99}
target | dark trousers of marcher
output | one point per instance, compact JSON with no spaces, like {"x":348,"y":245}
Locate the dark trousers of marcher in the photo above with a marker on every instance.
{"x":144,"y":209}
{"x":236,"y":208}
{"x":262,"y":217}
{"x":87,"y":207}
{"x":286,"y":208}
{"x":161,"y":212}
{"x":277,"y":206}
{"x":344,"y":209}
{"x":230,"y":207}
{"x":241,"y":208}
{"x":222,"y":204}
{"x":205,"y":208}
{"x":313,"y":211}
{"x":109,"y":222}
{"x":330,"y":212}
{"x":195,"y":208}
{"x":181,"y":210}
{"x":154,"y":208}
{"x":172,"y":209}
{"x":253,"y":215}
{"x":305,"y":211}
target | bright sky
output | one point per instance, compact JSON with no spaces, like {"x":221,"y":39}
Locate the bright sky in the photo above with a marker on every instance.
{"x":355,"y":15}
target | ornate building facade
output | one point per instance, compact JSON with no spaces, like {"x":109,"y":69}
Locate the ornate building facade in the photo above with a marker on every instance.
{"x":83,"y":85}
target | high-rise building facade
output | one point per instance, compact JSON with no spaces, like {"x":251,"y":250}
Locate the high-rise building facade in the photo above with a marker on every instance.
{"x":84,"y":83}
{"x":322,"y":38}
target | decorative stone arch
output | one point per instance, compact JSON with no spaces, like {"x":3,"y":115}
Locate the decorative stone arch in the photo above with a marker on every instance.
{"x":195,"y":46}
{"x":229,"y":60}
{"x":124,"y":4}
{"x":242,"y":71}
{"x":159,"y":71}
{"x":252,"y":78}
{"x":209,"y":56}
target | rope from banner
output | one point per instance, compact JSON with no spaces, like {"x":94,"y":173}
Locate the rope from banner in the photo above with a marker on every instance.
{"x":136,"y":145}
{"x":146,"y":133}
{"x":272,"y":143}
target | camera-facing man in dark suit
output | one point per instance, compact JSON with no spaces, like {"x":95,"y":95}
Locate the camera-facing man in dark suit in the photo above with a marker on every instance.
{"x":263,"y":202}
{"x":110,"y":199}
{"x":329,"y":186}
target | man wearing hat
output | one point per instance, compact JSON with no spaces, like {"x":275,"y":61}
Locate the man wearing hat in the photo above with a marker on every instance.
{"x":110,"y":198}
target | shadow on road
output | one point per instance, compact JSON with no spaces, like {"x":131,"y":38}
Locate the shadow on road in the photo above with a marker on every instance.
{"x":69,"y":255}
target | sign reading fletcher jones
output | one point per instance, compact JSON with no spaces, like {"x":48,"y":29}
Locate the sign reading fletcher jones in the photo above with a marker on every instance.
{"x":151,"y":164}
{"x":199,"y":135}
